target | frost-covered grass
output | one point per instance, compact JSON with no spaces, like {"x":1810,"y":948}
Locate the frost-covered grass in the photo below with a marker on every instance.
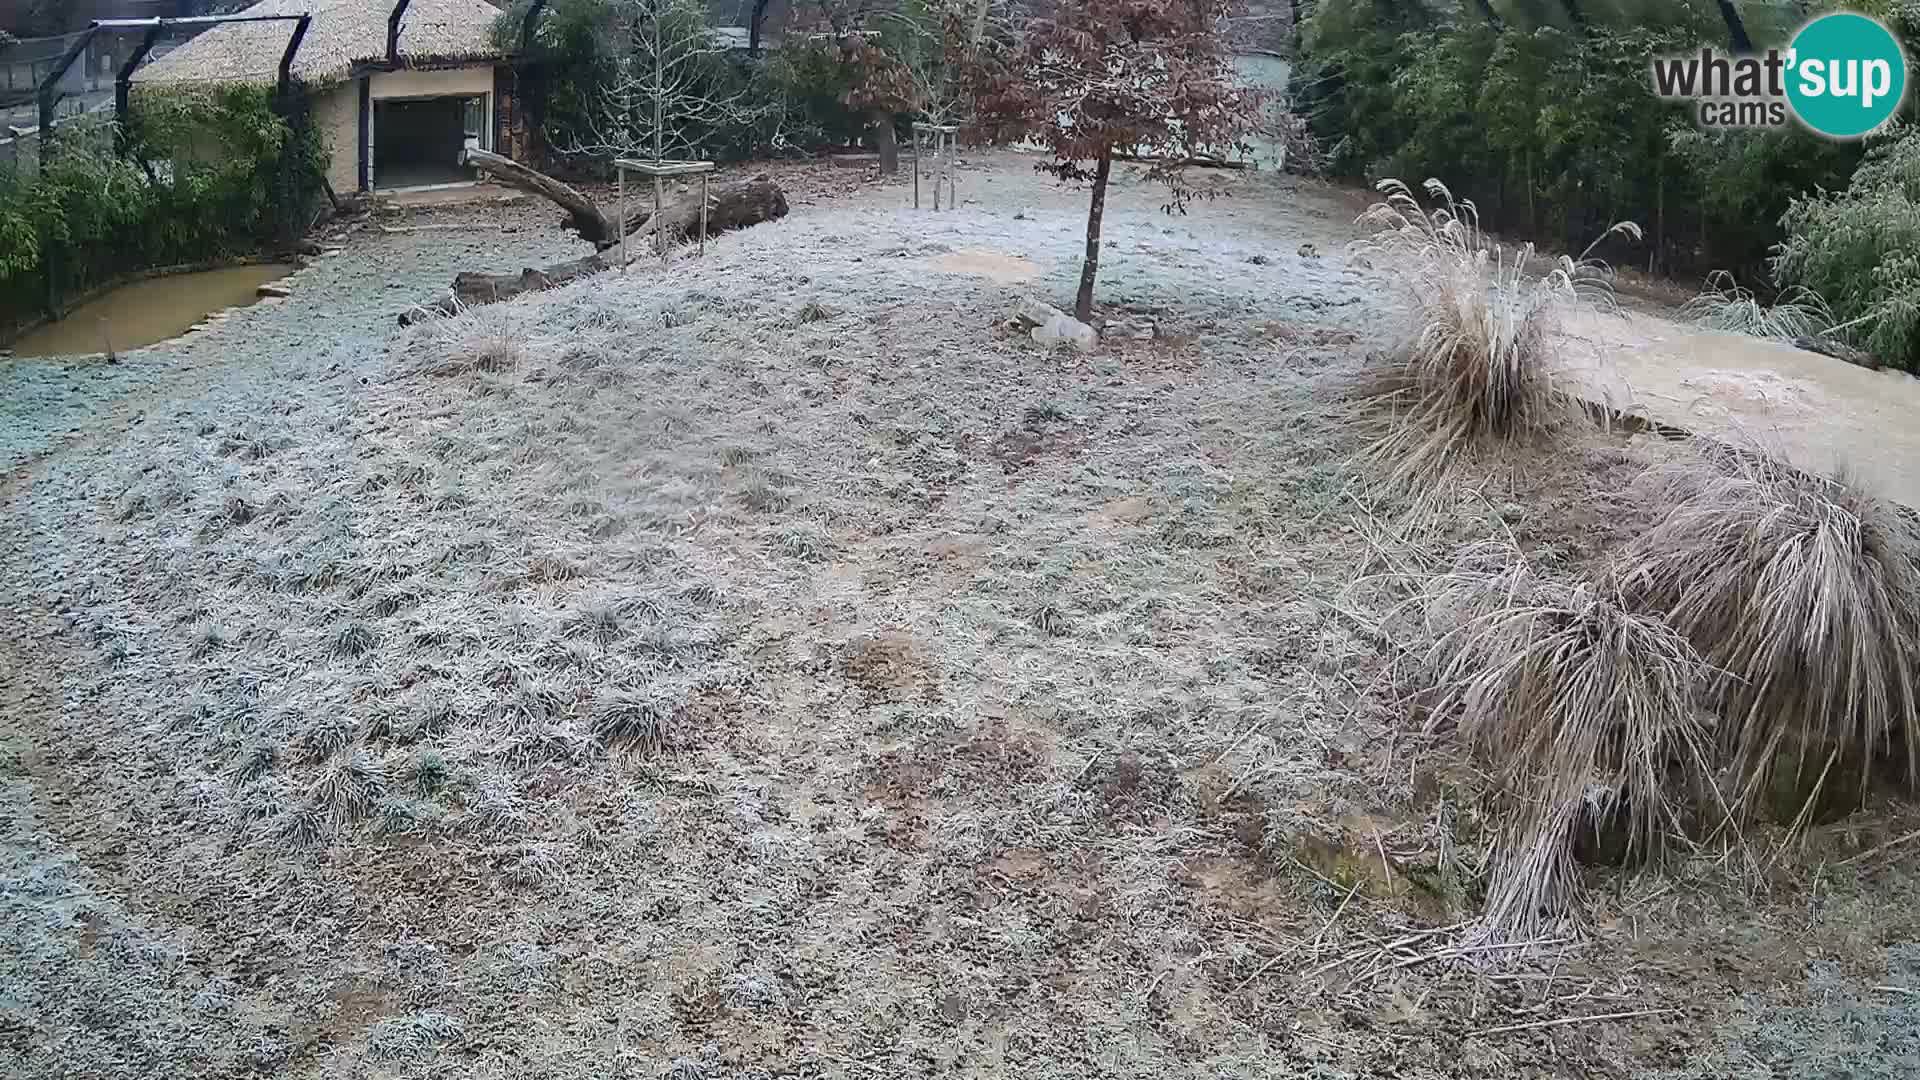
{"x":769,"y":666}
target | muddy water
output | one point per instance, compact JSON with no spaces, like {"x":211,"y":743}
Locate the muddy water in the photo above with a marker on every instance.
{"x":145,"y":312}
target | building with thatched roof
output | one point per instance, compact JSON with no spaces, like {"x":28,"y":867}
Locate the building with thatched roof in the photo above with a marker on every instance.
{"x":393,"y":114}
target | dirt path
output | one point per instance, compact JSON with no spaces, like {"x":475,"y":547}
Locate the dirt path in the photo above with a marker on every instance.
{"x":1818,"y":412}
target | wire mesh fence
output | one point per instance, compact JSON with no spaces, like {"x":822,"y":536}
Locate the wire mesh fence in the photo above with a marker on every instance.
{"x":193,"y":171}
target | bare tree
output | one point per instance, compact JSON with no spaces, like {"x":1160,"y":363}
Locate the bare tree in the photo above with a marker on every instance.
{"x":671,"y":89}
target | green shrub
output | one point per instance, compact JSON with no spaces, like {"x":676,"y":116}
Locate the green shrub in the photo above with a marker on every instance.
{"x":1860,"y":250}
{"x":1552,"y":128}
{"x":205,"y":175}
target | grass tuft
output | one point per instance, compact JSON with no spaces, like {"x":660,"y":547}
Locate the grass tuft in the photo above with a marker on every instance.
{"x":354,"y":640}
{"x":765,"y":491}
{"x":346,"y":788}
{"x":1585,"y":710}
{"x":412,"y":1038}
{"x":1805,"y":592}
{"x":327,"y":737}
{"x":640,"y":718}
{"x":1728,"y":306}
{"x":1474,"y":364}
{"x":501,"y":350}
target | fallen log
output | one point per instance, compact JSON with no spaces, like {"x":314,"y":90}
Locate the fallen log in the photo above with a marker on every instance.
{"x":583,"y":216}
{"x":1181,"y":163}
{"x":730,"y":206}
{"x":472,"y":289}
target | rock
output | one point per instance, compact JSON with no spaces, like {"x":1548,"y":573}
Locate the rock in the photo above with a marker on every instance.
{"x":1051,"y":326}
{"x":1257,"y":260}
{"x":1308,"y":251}
{"x":271,"y":291}
{"x":1065,"y":329}
{"x":1031,"y":312}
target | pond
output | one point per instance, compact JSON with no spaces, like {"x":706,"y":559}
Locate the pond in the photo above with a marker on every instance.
{"x":144,"y":312}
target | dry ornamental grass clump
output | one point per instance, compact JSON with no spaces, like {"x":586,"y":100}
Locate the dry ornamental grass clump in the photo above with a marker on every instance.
{"x":1474,"y":365}
{"x":1756,"y":652}
{"x":1728,"y":306}
{"x":1805,"y":593}
{"x":1586,"y":709}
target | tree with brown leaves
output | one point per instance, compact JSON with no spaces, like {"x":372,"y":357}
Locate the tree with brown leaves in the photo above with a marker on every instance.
{"x":1104,"y":77}
{"x":883,"y":87}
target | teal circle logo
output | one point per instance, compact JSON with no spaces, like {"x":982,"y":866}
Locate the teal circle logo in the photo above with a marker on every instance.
{"x":1846,"y":74}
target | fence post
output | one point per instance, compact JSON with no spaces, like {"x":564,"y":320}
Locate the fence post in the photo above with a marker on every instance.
{"x":123,"y":87}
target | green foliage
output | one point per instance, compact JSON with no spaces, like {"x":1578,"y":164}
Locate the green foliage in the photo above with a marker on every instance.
{"x":811,"y":84}
{"x":1860,"y":249}
{"x":211,"y":174}
{"x":1552,"y":127}
{"x":794,"y":99}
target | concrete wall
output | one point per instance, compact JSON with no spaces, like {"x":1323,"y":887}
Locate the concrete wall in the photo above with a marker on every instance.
{"x":465,"y":82}
{"x":336,"y":113}
{"x":1268,"y":73}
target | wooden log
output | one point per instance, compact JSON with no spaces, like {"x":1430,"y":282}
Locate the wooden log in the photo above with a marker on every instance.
{"x":729,"y":207}
{"x":472,"y":289}
{"x":583,"y":216}
{"x":1196,"y":162}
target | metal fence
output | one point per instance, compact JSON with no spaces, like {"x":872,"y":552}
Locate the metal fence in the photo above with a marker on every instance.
{"x":85,"y":90}
{"x":26,"y":63}
{"x":20,"y":146}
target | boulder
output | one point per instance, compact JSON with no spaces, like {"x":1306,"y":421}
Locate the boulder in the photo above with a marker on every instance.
{"x":1050,"y":326}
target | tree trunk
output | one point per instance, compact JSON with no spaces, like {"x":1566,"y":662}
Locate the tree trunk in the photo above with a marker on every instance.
{"x":729,"y":206}
{"x":885,"y":141}
{"x":1083,"y":303}
{"x":583,"y":216}
{"x":980,"y":21}
{"x":754,"y":22}
{"x":1487,"y":13}
{"x":474,"y":289}
{"x":1736,"y":27}
{"x":1293,"y":28}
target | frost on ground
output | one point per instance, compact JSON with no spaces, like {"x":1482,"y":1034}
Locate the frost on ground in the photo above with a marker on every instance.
{"x":776,"y":665}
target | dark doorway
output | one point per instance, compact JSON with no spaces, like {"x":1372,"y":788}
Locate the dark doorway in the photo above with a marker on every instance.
{"x":417,"y":141}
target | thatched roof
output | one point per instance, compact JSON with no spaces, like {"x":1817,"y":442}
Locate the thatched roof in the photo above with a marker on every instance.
{"x":344,"y":33}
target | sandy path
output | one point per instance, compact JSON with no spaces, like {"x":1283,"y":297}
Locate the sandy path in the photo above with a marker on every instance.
{"x":1818,"y":412}
{"x":1815,"y":411}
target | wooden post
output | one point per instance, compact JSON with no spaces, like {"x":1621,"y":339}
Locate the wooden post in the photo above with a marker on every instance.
{"x":620,"y":171}
{"x":703,"y":214}
{"x":916,"y":166}
{"x":659,"y":234}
